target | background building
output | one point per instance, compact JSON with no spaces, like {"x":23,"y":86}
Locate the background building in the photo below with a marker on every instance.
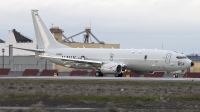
{"x":19,"y":60}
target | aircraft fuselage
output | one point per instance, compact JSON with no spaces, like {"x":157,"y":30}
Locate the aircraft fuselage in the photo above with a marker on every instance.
{"x":134,"y":59}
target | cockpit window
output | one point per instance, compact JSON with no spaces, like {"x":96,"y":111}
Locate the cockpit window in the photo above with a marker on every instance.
{"x":181,"y":57}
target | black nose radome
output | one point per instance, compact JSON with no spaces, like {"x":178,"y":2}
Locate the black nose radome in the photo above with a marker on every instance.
{"x":192,"y":64}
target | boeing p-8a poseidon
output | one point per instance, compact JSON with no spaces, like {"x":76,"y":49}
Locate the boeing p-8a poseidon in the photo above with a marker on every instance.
{"x":112,"y":61}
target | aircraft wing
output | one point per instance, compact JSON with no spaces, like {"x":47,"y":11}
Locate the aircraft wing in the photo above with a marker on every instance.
{"x":91,"y":62}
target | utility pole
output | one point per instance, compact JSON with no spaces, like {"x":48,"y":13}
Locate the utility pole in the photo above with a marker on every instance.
{"x":45,"y":65}
{"x":3,"y":50}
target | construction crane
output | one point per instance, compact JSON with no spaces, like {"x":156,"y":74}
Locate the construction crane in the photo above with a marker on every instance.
{"x":85,"y":36}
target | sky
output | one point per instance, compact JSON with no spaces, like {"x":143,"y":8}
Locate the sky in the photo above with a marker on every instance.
{"x":138,"y":24}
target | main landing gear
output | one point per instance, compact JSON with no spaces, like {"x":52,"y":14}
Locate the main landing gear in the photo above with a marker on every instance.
{"x":98,"y":74}
{"x":119,"y":75}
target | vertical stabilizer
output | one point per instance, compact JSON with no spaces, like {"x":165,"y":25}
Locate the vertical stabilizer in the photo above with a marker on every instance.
{"x":43,"y":35}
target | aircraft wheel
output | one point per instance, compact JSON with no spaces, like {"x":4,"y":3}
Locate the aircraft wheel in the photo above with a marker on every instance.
{"x":176,"y":75}
{"x":99,"y":74}
{"x":116,"y":75}
{"x":120,"y":75}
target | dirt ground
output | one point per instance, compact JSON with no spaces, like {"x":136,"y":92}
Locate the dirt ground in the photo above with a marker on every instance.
{"x":112,"y":96}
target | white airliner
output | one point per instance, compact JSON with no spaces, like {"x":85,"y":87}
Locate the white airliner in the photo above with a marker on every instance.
{"x":112,"y":61}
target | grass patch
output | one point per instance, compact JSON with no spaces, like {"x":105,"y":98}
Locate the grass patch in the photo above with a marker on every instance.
{"x":115,"y":99}
{"x":185,"y":98}
{"x":96,"y":82}
{"x":19,"y":96}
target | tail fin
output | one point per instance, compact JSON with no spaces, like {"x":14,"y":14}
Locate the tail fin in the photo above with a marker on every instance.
{"x":43,"y":35}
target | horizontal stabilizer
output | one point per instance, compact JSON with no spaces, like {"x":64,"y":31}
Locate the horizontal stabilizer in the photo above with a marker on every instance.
{"x":32,"y":50}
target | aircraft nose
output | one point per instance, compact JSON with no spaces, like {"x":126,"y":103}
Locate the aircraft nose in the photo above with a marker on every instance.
{"x":192,"y":63}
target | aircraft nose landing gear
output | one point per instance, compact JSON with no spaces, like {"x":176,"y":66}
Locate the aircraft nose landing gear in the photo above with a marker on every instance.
{"x":175,"y":75}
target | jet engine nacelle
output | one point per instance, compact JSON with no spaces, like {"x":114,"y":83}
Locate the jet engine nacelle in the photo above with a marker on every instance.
{"x":112,"y":68}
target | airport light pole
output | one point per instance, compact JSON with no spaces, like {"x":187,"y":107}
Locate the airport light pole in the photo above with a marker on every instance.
{"x":45,"y":65}
{"x":3,"y":50}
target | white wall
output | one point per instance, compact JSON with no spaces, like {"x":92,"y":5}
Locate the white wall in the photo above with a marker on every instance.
{"x":11,"y":41}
